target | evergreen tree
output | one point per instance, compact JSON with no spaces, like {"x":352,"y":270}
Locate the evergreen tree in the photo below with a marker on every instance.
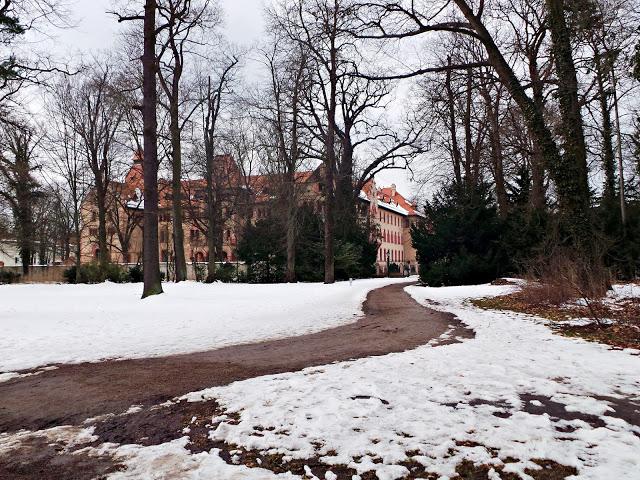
{"x":459,"y":244}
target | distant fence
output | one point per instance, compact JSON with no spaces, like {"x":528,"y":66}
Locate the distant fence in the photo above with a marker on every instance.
{"x":55,"y":273}
{"x":39,"y":273}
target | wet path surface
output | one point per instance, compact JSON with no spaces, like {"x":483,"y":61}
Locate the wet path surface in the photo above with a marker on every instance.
{"x":393,"y":322}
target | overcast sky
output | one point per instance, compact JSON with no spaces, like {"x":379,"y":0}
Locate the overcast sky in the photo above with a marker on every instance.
{"x":96,"y":30}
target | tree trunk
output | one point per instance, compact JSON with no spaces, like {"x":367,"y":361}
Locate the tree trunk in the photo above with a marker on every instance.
{"x":211,"y":213}
{"x":623,"y":203}
{"x":346,"y":197}
{"x":575,"y":184}
{"x":103,"y":246}
{"x":151,"y":256}
{"x":493,"y":108}
{"x":25,"y":235}
{"x":78,"y":232}
{"x":455,"y":148}
{"x":608,"y":157}
{"x":290,"y":272}
{"x":537,"y":196}
{"x":42,"y":250}
{"x":467,"y":130}
{"x":330,"y":160}
{"x":178,"y":230}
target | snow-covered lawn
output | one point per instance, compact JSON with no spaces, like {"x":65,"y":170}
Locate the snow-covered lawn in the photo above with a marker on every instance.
{"x":45,"y":324}
{"x":437,"y":405}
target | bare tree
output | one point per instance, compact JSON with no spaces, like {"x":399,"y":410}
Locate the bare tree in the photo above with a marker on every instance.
{"x":402,"y":20}
{"x":67,"y":160}
{"x":280,"y":106}
{"x":215,"y":174}
{"x":186,"y":21}
{"x":95,"y":115}
{"x":319,"y":27}
{"x":22,"y":67}
{"x":151,"y":254}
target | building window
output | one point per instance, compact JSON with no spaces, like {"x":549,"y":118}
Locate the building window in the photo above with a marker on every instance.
{"x":194,"y":234}
{"x":163,"y":236}
{"x":94,"y":215}
{"x":93,"y":232}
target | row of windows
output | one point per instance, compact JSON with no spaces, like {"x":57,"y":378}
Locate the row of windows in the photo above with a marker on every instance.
{"x":394,"y":255}
{"x":391,"y":237}
{"x":94,"y":231}
{"x":198,"y":257}
{"x":194,"y":234}
{"x":162,"y":217}
{"x":389,"y":218}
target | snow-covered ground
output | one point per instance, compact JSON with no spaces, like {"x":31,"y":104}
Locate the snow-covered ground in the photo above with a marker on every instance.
{"x":443,"y":404}
{"x":46,"y":324}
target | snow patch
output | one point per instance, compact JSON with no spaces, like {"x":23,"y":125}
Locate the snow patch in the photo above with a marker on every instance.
{"x":88,"y":323}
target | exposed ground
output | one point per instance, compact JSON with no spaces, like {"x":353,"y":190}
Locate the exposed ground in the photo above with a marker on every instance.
{"x":507,"y":400}
{"x":71,"y":394}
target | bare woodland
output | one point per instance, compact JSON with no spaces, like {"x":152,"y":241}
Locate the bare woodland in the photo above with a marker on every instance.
{"x":534,"y":100}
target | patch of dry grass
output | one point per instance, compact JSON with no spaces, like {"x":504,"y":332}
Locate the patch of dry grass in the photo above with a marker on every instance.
{"x":544,"y":301}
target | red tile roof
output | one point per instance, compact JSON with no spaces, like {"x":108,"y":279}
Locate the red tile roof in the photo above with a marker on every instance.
{"x":391,"y":195}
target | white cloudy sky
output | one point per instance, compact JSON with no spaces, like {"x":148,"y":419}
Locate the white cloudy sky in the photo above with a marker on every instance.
{"x":95,"y":29}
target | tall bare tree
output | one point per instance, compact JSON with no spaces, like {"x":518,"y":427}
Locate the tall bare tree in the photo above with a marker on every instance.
{"x":186,"y":21}
{"x":216,"y":175}
{"x":95,"y":115}
{"x":67,"y":160}
{"x":150,"y":248}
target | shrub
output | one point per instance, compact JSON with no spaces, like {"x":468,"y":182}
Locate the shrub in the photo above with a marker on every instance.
{"x":262,"y":247}
{"x":200,"y":271}
{"x":226,"y":273}
{"x":7,"y":276}
{"x":135,"y":274}
{"x":95,"y":273}
{"x":565,"y":275}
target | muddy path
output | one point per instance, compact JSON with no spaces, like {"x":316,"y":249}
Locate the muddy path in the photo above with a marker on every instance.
{"x":392,"y":322}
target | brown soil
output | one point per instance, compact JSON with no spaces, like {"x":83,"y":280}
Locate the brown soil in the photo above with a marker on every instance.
{"x":73,"y":393}
{"x":38,"y":458}
{"x":393,"y":322}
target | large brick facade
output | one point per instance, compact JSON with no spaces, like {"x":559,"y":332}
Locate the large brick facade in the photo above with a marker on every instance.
{"x":242,"y":199}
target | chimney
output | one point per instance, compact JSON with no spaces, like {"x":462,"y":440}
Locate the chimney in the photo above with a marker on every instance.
{"x":135,"y":175}
{"x":393,"y":190}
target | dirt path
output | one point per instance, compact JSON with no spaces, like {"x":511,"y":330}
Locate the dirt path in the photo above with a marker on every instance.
{"x":393,"y":322}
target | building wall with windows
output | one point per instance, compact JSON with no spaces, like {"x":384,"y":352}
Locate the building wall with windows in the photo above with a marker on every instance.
{"x":394,"y":215}
{"x":241,"y":200}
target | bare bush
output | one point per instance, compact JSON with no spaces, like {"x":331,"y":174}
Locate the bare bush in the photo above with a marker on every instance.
{"x":565,"y":276}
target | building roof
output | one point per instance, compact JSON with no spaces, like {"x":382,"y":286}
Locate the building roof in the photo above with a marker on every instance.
{"x":389,"y":199}
{"x":391,"y":196}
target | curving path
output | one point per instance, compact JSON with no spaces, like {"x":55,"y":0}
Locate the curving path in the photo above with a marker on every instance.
{"x":393,"y":322}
